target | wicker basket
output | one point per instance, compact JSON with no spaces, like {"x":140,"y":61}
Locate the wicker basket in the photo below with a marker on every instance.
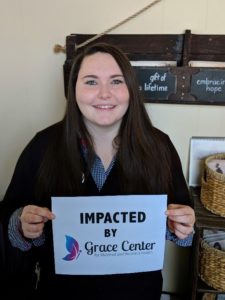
{"x":212,"y":266}
{"x":213,"y":188}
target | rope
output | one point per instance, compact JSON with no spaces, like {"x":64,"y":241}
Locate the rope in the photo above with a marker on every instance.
{"x":117,"y":25}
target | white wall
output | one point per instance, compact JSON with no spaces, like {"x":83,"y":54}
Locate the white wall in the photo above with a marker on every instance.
{"x":31,"y":85}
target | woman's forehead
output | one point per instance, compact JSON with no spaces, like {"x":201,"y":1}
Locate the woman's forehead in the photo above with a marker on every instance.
{"x":99,"y":62}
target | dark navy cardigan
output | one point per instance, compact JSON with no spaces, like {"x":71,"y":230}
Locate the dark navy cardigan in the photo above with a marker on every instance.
{"x":21,"y":192}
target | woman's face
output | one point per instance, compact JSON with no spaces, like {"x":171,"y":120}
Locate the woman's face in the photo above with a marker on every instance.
{"x":101,"y":92}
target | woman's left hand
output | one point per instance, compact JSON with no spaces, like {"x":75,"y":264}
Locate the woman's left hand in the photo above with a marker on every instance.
{"x":181,"y":219}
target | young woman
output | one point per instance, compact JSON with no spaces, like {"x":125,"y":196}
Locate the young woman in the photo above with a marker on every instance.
{"x":105,"y":145}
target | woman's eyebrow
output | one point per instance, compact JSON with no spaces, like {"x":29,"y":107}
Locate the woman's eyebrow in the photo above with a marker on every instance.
{"x":90,"y":75}
{"x":95,"y":76}
{"x":117,"y":75}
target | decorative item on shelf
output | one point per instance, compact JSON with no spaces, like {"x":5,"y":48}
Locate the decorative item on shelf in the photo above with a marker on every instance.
{"x":215,"y":238}
{"x":212,"y":266}
{"x":213,"y":184}
{"x":209,"y":296}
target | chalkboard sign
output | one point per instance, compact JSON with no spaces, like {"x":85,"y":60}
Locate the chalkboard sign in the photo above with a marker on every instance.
{"x":209,"y":85}
{"x":156,"y":83}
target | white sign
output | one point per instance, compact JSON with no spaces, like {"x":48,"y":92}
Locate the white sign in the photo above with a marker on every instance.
{"x":109,"y":234}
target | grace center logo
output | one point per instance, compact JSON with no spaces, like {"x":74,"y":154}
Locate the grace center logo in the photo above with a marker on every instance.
{"x":73,"y":248}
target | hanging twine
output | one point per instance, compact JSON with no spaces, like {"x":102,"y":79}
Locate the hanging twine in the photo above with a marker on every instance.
{"x":117,"y":25}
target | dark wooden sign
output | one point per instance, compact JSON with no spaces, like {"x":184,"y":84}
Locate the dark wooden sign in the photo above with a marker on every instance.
{"x":180,"y":84}
{"x":156,"y":83}
{"x":209,"y":85}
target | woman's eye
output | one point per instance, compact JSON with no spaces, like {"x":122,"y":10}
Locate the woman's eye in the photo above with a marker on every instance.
{"x":90,"y":82}
{"x":117,"y":81}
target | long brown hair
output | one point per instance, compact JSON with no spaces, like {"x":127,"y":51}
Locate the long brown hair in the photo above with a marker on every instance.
{"x":142,"y":156}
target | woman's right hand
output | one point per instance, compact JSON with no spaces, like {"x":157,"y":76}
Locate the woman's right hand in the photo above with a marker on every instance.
{"x":33,"y":219}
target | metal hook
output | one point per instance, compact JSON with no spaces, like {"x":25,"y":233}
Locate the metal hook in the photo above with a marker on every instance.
{"x":58,"y":48}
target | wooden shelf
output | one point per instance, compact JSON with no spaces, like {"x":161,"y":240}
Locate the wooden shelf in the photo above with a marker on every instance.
{"x":204,"y":220}
{"x":177,"y":83}
{"x":202,"y":287}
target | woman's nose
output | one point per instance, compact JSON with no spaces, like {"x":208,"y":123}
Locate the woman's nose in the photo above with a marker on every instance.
{"x":104,"y":91}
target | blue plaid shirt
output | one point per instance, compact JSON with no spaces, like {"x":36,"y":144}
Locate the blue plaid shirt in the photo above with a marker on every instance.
{"x":99,"y":175}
